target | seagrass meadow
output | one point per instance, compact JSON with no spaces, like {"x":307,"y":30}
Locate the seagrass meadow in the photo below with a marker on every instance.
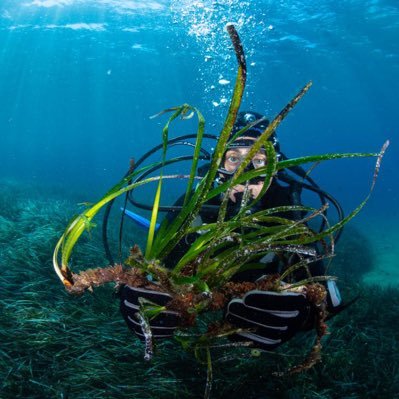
{"x":53,"y":345}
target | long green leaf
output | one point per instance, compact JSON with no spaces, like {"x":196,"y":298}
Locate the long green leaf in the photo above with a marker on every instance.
{"x":325,"y":157}
{"x":345,"y":220}
{"x":196,"y":155}
{"x":154,"y":214}
{"x":261,"y":141}
{"x":68,"y":240}
{"x":182,"y":222}
{"x":283,"y":165}
{"x":153,"y":221}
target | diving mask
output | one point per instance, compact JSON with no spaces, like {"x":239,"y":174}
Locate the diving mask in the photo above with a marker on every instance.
{"x":235,"y":156}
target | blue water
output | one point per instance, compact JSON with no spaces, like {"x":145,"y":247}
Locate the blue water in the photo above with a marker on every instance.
{"x":79,"y":80}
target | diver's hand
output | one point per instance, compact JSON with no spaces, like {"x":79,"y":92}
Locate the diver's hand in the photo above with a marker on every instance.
{"x":162,"y":326}
{"x":254,"y":190}
{"x":272,"y":318}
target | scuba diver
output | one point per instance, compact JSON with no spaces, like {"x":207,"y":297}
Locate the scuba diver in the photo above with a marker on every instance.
{"x":267,"y":319}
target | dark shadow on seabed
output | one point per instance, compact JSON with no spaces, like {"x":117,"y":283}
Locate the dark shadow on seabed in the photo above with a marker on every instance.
{"x":355,"y":255}
{"x":56,"y":346}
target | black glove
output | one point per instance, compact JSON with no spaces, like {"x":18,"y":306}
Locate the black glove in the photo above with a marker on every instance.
{"x":272,"y":318}
{"x":162,"y":326}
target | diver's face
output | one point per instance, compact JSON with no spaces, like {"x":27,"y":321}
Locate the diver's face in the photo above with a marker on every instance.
{"x":233,"y":159}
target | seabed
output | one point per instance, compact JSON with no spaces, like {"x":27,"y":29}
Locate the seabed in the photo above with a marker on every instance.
{"x":53,"y":345}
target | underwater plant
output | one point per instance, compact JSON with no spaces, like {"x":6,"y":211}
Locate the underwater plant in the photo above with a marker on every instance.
{"x":200,"y":281}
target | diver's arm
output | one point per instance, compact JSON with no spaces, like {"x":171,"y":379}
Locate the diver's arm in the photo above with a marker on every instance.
{"x":269,"y":319}
{"x":292,"y":196}
{"x":165,"y":323}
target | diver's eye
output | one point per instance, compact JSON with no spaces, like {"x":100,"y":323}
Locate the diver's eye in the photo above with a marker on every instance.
{"x":233,"y":159}
{"x":259,"y":162}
